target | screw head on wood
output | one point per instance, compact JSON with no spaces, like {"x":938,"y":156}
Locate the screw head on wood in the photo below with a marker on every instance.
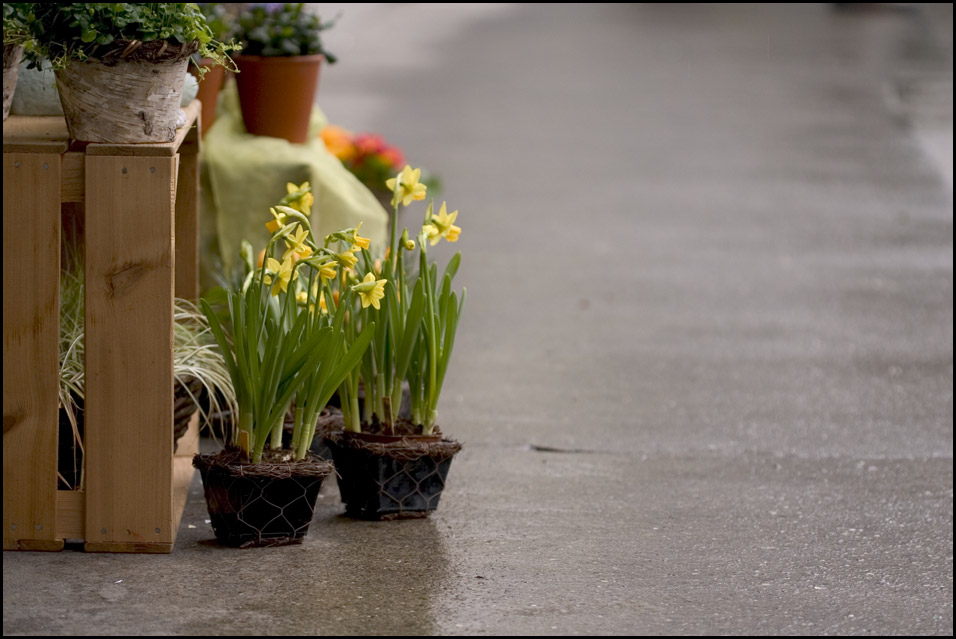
{"x":124,"y":170}
{"x":39,"y":527}
{"x":16,"y":164}
{"x":103,"y":531}
{"x":157,"y":531}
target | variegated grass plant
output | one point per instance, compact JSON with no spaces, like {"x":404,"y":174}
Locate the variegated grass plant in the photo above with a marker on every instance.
{"x":195,"y":354}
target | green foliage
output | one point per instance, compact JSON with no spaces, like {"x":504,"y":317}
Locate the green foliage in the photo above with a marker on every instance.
{"x":16,"y":16}
{"x":281,"y":29}
{"x":221,"y":22}
{"x":80,"y":31}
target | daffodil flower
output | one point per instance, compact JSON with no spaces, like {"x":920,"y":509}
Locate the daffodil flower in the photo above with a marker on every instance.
{"x":301,"y":298}
{"x":346,"y":259}
{"x":296,"y":243}
{"x":277,"y":223}
{"x":283,"y":272}
{"x":327,"y":270}
{"x":409,"y":186}
{"x":370,"y":291}
{"x":359,"y":242}
{"x":299,"y":197}
{"x":442,"y":226}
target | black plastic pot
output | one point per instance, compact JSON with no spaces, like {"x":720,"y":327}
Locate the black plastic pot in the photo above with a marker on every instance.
{"x":390,"y":478}
{"x":260,"y":505}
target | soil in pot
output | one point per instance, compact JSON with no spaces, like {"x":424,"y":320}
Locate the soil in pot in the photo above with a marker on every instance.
{"x":391,"y":476}
{"x":260,"y":505}
{"x":276,"y":94}
{"x":129,"y":95}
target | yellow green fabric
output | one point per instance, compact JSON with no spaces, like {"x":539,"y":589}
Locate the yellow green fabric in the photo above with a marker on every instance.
{"x":246,"y":174}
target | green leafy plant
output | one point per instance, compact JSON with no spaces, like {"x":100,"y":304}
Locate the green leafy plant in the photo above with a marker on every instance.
{"x":282,"y":29}
{"x":222,"y":22}
{"x":16,"y":18}
{"x":283,"y":348}
{"x":110,"y":31}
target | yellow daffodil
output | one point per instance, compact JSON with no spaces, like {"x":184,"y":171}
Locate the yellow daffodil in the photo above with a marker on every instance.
{"x":301,"y":298}
{"x":409,"y":245}
{"x":296,"y":243}
{"x":327,"y":270}
{"x":442,"y":226}
{"x":370,"y":291}
{"x":283,"y":272}
{"x":346,"y":259}
{"x":409,"y":187}
{"x":277,"y":223}
{"x":359,"y":242}
{"x":260,"y":258}
{"x":299,"y":197}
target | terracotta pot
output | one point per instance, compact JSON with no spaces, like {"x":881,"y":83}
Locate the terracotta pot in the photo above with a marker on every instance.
{"x":209,"y":88}
{"x":12,"y":54}
{"x":276,"y":94}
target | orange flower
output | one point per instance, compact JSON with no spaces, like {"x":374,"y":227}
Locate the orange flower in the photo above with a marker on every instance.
{"x":338,"y":141}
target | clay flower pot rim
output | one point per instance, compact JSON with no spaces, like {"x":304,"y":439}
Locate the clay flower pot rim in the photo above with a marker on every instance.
{"x":286,"y":59}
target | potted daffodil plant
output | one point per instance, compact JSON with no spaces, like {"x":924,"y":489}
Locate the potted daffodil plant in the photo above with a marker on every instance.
{"x":280,"y":349}
{"x":390,"y":466}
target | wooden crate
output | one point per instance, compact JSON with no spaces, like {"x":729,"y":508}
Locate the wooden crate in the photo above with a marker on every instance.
{"x":141,"y":208}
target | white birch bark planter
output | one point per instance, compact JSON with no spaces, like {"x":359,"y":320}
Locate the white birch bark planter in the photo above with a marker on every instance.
{"x":11,"y":67}
{"x":123,"y":101}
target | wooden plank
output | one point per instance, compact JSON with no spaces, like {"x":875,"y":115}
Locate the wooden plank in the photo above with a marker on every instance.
{"x":148,"y":548}
{"x":42,"y":545}
{"x":129,"y":342}
{"x":165,"y":149}
{"x":187,"y":226}
{"x":70,"y":514}
{"x":35,"y":134}
{"x":31,"y":325}
{"x":73,"y":177}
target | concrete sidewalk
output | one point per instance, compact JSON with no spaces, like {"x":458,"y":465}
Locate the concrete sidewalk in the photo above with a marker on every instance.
{"x":705,"y":373}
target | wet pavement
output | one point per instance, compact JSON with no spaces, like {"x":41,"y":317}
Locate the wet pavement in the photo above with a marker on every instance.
{"x":705,"y":374}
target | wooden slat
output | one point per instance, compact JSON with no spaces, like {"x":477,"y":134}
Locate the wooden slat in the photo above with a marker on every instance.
{"x":165,"y":149}
{"x":187,"y":224}
{"x":35,"y":134}
{"x":70,"y":514}
{"x":129,"y":341}
{"x":73,"y":181}
{"x":31,"y":320}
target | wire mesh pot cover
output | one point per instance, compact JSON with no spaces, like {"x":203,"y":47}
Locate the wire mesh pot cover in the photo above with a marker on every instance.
{"x":256,"y":505}
{"x":397,"y":480}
